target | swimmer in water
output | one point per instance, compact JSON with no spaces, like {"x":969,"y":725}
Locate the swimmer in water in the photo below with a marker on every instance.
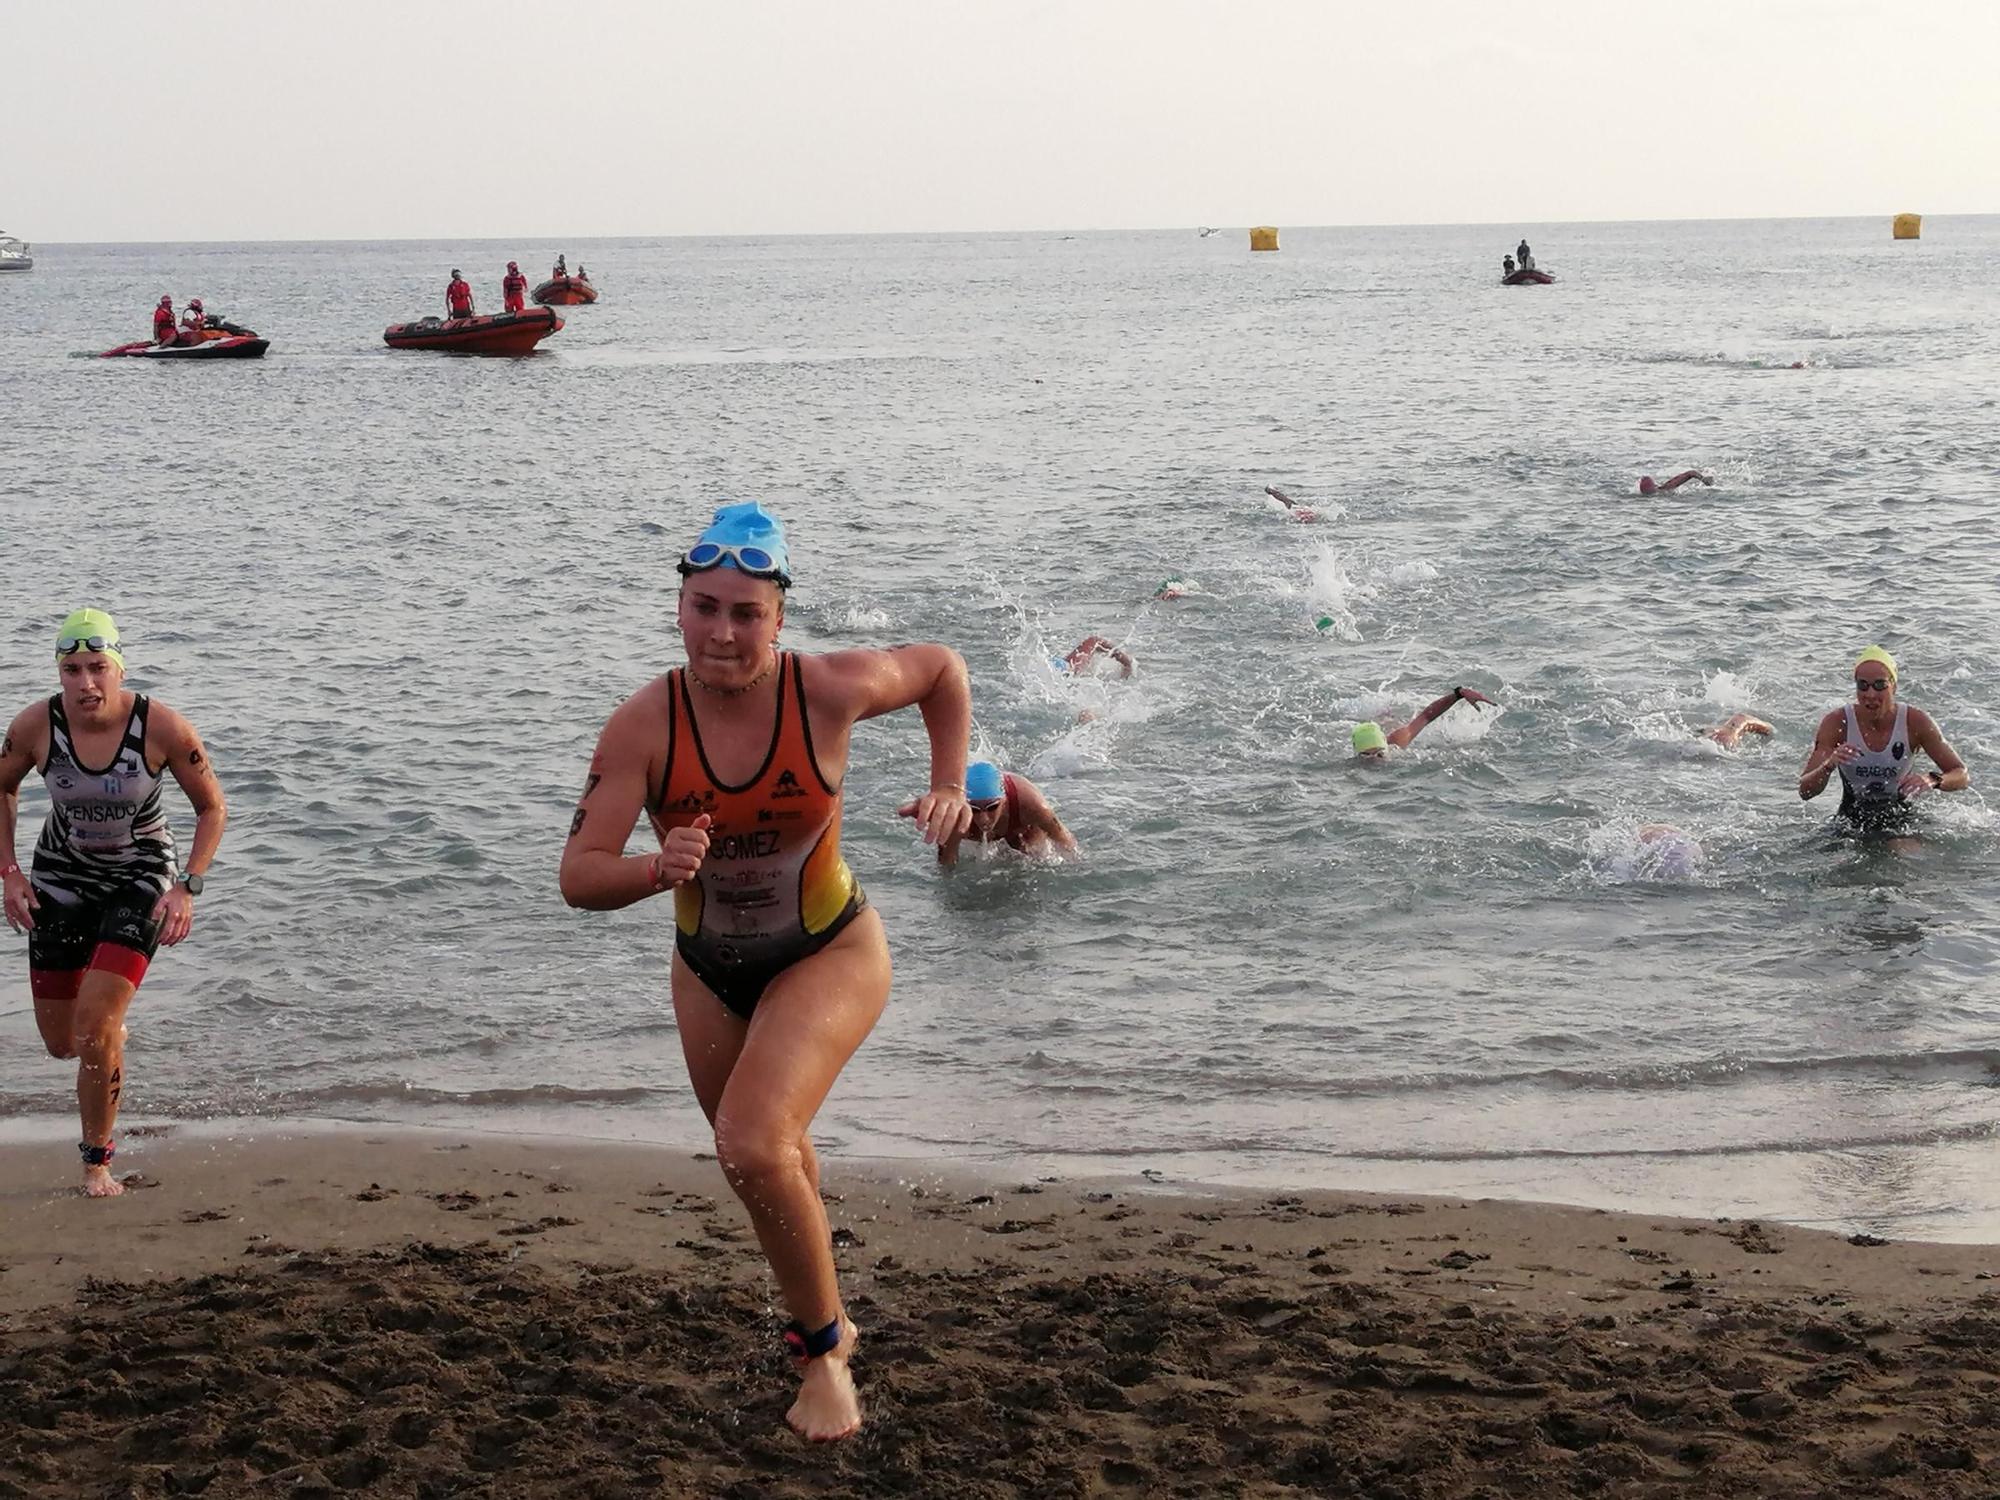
{"x":1006,"y":809}
{"x":1729,"y":733}
{"x":1372,"y":741}
{"x":1667,"y":852}
{"x":780,"y":966}
{"x":1871,"y":743}
{"x":1083,"y":658}
{"x":1650,"y":486}
{"x":1291,"y":507}
{"x":1174,"y":587}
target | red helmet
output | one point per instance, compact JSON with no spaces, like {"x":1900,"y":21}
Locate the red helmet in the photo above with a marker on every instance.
{"x":513,"y":265}
{"x":166,"y":302}
{"x":194,"y":304}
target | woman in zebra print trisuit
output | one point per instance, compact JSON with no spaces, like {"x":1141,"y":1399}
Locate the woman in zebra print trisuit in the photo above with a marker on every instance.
{"x":103,"y":892}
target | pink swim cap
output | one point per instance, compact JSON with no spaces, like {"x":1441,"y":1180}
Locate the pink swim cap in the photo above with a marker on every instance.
{"x":1646,"y":485}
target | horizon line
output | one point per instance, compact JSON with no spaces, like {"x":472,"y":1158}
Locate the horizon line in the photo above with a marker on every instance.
{"x":1512,"y":226}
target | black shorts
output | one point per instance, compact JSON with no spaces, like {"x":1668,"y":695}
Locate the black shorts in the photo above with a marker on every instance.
{"x":1889,"y":815}
{"x":66,"y":938}
{"x":739,"y":983}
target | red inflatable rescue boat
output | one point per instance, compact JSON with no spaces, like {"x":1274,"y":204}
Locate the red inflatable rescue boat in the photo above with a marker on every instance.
{"x":1527,"y":278}
{"x":229,"y":346}
{"x":492,"y":333}
{"x":564,"y":291}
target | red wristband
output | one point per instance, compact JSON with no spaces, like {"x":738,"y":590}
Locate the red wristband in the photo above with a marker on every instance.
{"x":653,"y":874}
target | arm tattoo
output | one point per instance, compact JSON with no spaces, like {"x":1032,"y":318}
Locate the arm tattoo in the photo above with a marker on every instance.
{"x":590,"y":786}
{"x":6,"y":745}
{"x":576,"y":823}
{"x":194,"y":757}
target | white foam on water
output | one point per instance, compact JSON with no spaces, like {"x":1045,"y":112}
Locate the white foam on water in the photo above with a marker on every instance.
{"x":1625,"y":853}
{"x":1726,"y":690}
{"x":862,"y":617}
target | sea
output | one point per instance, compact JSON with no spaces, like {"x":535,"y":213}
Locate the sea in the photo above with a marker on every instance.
{"x":398,"y":593}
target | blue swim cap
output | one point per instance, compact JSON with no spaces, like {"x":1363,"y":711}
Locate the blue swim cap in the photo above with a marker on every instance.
{"x":1059,"y":663}
{"x":983,"y":782}
{"x":747,"y":524}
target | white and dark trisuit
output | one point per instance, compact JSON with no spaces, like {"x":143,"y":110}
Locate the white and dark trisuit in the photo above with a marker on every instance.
{"x":1870,"y":784}
{"x":105,"y":857}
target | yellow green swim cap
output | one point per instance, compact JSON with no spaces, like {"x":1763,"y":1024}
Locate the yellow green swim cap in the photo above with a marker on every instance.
{"x":1876,"y":653}
{"x":89,"y":630}
{"x":1369,"y":737}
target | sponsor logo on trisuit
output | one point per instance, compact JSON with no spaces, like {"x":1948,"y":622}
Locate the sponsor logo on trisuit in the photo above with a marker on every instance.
{"x":788,"y":786}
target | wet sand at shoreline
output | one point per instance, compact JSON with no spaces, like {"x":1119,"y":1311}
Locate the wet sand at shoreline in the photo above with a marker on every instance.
{"x":405,"y":1312}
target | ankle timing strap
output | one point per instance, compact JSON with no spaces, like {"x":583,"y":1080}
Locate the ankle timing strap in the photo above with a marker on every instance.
{"x":812,"y":1345}
{"x":97,"y":1156}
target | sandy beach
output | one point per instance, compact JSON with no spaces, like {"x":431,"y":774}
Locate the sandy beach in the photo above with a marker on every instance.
{"x":313,"y":1312}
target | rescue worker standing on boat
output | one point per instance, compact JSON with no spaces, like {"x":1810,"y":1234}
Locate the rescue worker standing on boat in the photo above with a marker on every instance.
{"x":514,"y":289}
{"x":458,"y":296}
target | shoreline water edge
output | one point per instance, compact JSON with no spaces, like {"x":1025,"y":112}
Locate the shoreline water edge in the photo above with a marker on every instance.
{"x":398,"y":1310}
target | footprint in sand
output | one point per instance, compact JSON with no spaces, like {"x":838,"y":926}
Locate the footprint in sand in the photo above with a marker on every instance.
{"x":540,"y":1226}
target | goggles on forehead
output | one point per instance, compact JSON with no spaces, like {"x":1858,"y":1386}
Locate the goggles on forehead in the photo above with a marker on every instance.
{"x":69,"y":645}
{"x":755,"y":561}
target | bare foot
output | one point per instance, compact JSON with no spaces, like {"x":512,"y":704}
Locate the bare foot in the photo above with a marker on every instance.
{"x":99,"y":1183}
{"x":828,"y":1407}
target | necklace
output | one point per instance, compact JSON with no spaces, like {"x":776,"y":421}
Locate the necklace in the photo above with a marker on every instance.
{"x":735,"y":692}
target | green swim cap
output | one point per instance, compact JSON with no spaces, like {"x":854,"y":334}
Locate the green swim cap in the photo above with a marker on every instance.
{"x":89,"y":630}
{"x":1369,"y":737}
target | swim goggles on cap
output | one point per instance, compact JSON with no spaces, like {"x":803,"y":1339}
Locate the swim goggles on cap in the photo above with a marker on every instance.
{"x":752,"y":560}
{"x":69,"y":645}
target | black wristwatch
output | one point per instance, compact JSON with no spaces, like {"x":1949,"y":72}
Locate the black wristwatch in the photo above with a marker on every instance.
{"x":193,"y":883}
{"x":1937,"y":779}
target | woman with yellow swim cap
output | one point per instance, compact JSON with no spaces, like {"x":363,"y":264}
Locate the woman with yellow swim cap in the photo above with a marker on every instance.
{"x":1870,"y":742}
{"x":103,"y":892}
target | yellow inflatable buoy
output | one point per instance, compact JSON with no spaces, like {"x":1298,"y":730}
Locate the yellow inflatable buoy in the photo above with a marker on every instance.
{"x":1908,"y":227}
{"x":1264,"y":237}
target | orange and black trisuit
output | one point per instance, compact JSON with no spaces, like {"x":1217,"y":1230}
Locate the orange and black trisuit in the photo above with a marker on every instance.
{"x":774,"y":888}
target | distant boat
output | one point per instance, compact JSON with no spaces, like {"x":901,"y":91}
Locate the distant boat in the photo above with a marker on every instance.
{"x":1204,"y":231}
{"x":1527,"y":278}
{"x":568,"y":290}
{"x":14,"y":254}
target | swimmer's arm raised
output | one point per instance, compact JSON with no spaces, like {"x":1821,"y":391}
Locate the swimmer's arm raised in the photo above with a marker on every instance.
{"x":596,"y":873}
{"x":933,"y":679}
{"x":1436,"y":709}
{"x":1825,"y":755}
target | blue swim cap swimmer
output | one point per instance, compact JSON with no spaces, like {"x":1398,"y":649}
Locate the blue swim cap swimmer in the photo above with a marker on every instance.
{"x":984,"y":783}
{"x":744,"y":536}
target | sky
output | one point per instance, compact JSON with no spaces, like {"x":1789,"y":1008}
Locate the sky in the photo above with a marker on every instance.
{"x":435,"y":119}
